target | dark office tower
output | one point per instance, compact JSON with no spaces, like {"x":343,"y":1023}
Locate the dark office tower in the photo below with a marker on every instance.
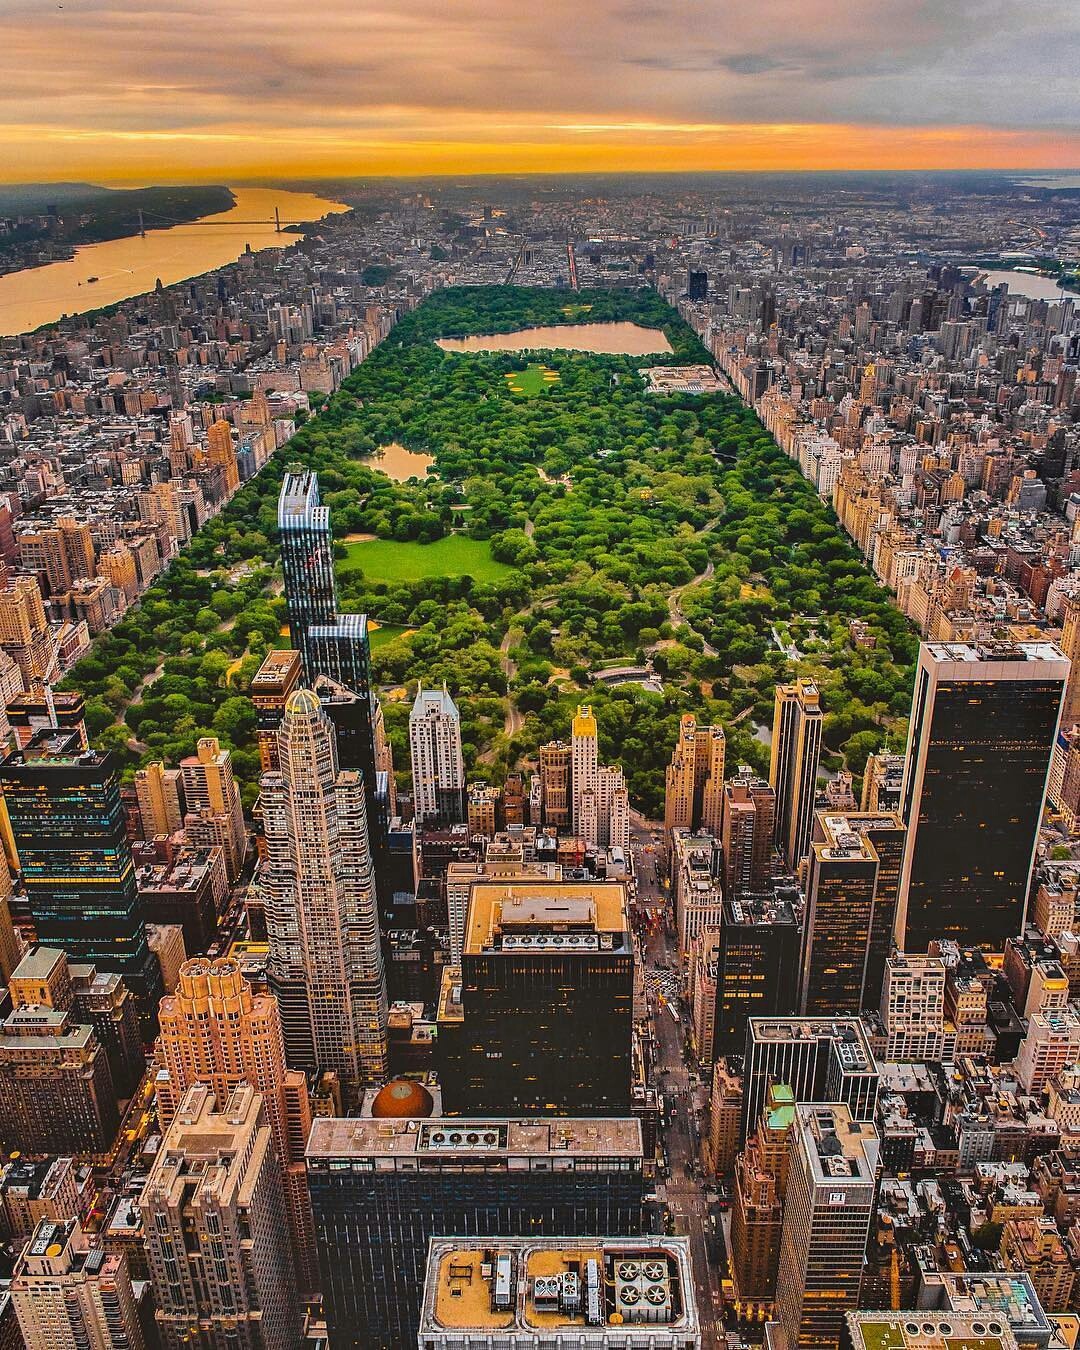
{"x":67,"y":825}
{"x":381,"y":1188}
{"x":983,"y":723}
{"x":757,"y":968}
{"x":796,"y":749}
{"x":819,"y":1058}
{"x":697,"y":286}
{"x":543,"y":1017}
{"x":850,"y":911}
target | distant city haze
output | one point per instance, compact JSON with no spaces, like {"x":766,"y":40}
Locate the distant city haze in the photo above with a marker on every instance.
{"x":126,"y":267}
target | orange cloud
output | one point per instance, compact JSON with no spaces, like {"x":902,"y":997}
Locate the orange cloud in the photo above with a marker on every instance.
{"x":152,"y":90}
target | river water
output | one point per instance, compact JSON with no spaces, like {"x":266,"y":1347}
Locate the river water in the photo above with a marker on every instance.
{"x":127,"y":267}
{"x":1029,"y":284}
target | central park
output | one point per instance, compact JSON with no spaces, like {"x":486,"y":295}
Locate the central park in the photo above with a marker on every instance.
{"x":569,"y":521}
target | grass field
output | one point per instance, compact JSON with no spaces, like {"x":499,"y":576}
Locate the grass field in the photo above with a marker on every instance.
{"x":380,"y":634}
{"x":533,"y":380}
{"x":454,"y":556}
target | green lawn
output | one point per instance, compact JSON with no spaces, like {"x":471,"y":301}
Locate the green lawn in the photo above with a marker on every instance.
{"x":386,"y":632}
{"x":456,"y":555}
{"x":533,"y":380}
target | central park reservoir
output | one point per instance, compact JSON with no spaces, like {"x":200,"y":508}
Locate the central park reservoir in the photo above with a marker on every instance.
{"x":127,"y":267}
{"x":610,"y":339}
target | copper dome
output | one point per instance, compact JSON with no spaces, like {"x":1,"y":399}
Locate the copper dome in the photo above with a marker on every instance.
{"x":402,"y":1098}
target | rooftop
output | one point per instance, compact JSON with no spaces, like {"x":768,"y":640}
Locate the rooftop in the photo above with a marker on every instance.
{"x":456,"y":1136}
{"x":498,"y":910}
{"x":919,"y":1330}
{"x":553,"y":1285}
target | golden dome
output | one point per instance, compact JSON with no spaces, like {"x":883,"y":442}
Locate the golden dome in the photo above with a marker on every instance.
{"x":401,"y":1098}
{"x":302,"y":703}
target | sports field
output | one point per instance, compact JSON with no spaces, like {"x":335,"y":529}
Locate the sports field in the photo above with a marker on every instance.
{"x":456,"y":555}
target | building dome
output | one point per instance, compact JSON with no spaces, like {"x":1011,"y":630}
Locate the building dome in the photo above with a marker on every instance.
{"x":302,"y":703}
{"x":402,"y":1098}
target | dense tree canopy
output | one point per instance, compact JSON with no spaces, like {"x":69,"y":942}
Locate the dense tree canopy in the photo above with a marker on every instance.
{"x":638,"y":527}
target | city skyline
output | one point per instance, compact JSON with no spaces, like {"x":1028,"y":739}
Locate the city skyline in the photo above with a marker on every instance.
{"x":385,"y":88}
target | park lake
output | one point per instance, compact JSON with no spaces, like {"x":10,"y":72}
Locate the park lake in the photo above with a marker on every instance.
{"x":609,"y":339}
{"x":401,"y":464}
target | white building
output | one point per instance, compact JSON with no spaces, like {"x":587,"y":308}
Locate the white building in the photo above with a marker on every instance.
{"x":438,"y":768}
{"x":913,"y":1008}
{"x":68,"y":1296}
{"x":1052,"y":1043}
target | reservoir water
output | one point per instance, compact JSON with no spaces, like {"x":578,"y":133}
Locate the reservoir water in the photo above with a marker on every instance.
{"x":610,"y":339}
{"x":127,"y":267}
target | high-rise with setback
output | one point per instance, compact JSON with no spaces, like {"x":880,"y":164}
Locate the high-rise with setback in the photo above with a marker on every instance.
{"x":983,"y":724}
{"x":216,"y":1237}
{"x":318,"y":887}
{"x":215,"y":1030}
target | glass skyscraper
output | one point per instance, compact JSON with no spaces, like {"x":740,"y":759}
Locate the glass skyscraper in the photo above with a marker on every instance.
{"x":67,"y":823}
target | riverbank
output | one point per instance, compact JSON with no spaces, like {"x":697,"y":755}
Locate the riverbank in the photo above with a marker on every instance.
{"x":113,"y":214}
{"x":103,"y":274}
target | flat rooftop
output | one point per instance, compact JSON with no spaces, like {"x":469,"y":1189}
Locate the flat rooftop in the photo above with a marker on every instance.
{"x":919,"y":1330}
{"x":455,"y":1136}
{"x":527,"y":905}
{"x":577,"y":1286}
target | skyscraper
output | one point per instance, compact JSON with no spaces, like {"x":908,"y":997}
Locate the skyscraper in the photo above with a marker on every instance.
{"x":565,"y":1293}
{"x":67,"y":824}
{"x":216,"y":1237}
{"x":556,"y":798}
{"x":757,"y":965}
{"x":438,"y":768}
{"x":307,"y":560}
{"x":543,"y":1017}
{"x":160,"y":793}
{"x":796,"y":749}
{"x":214,"y":1030}
{"x":827,"y":1212}
{"x":318,"y":887}
{"x":330,"y":643}
{"x":748,"y":820}
{"x":694,"y":781}
{"x":70,"y":1296}
{"x":983,"y":723}
{"x":584,"y":768}
{"x":851,"y":894}
{"x":381,"y":1189}
{"x":1070,"y":645}
{"x":215,"y":817}
{"x":819,"y":1058}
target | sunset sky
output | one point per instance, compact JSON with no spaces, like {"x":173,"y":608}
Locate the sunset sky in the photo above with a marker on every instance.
{"x":143,"y":91}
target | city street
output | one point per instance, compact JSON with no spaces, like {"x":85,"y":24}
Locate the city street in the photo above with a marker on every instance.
{"x":683,"y":1189}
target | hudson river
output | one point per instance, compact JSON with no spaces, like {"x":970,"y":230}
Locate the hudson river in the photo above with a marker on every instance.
{"x":126,"y":267}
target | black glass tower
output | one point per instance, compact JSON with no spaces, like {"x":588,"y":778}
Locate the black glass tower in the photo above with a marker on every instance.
{"x":67,"y":824}
{"x":983,"y":723}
